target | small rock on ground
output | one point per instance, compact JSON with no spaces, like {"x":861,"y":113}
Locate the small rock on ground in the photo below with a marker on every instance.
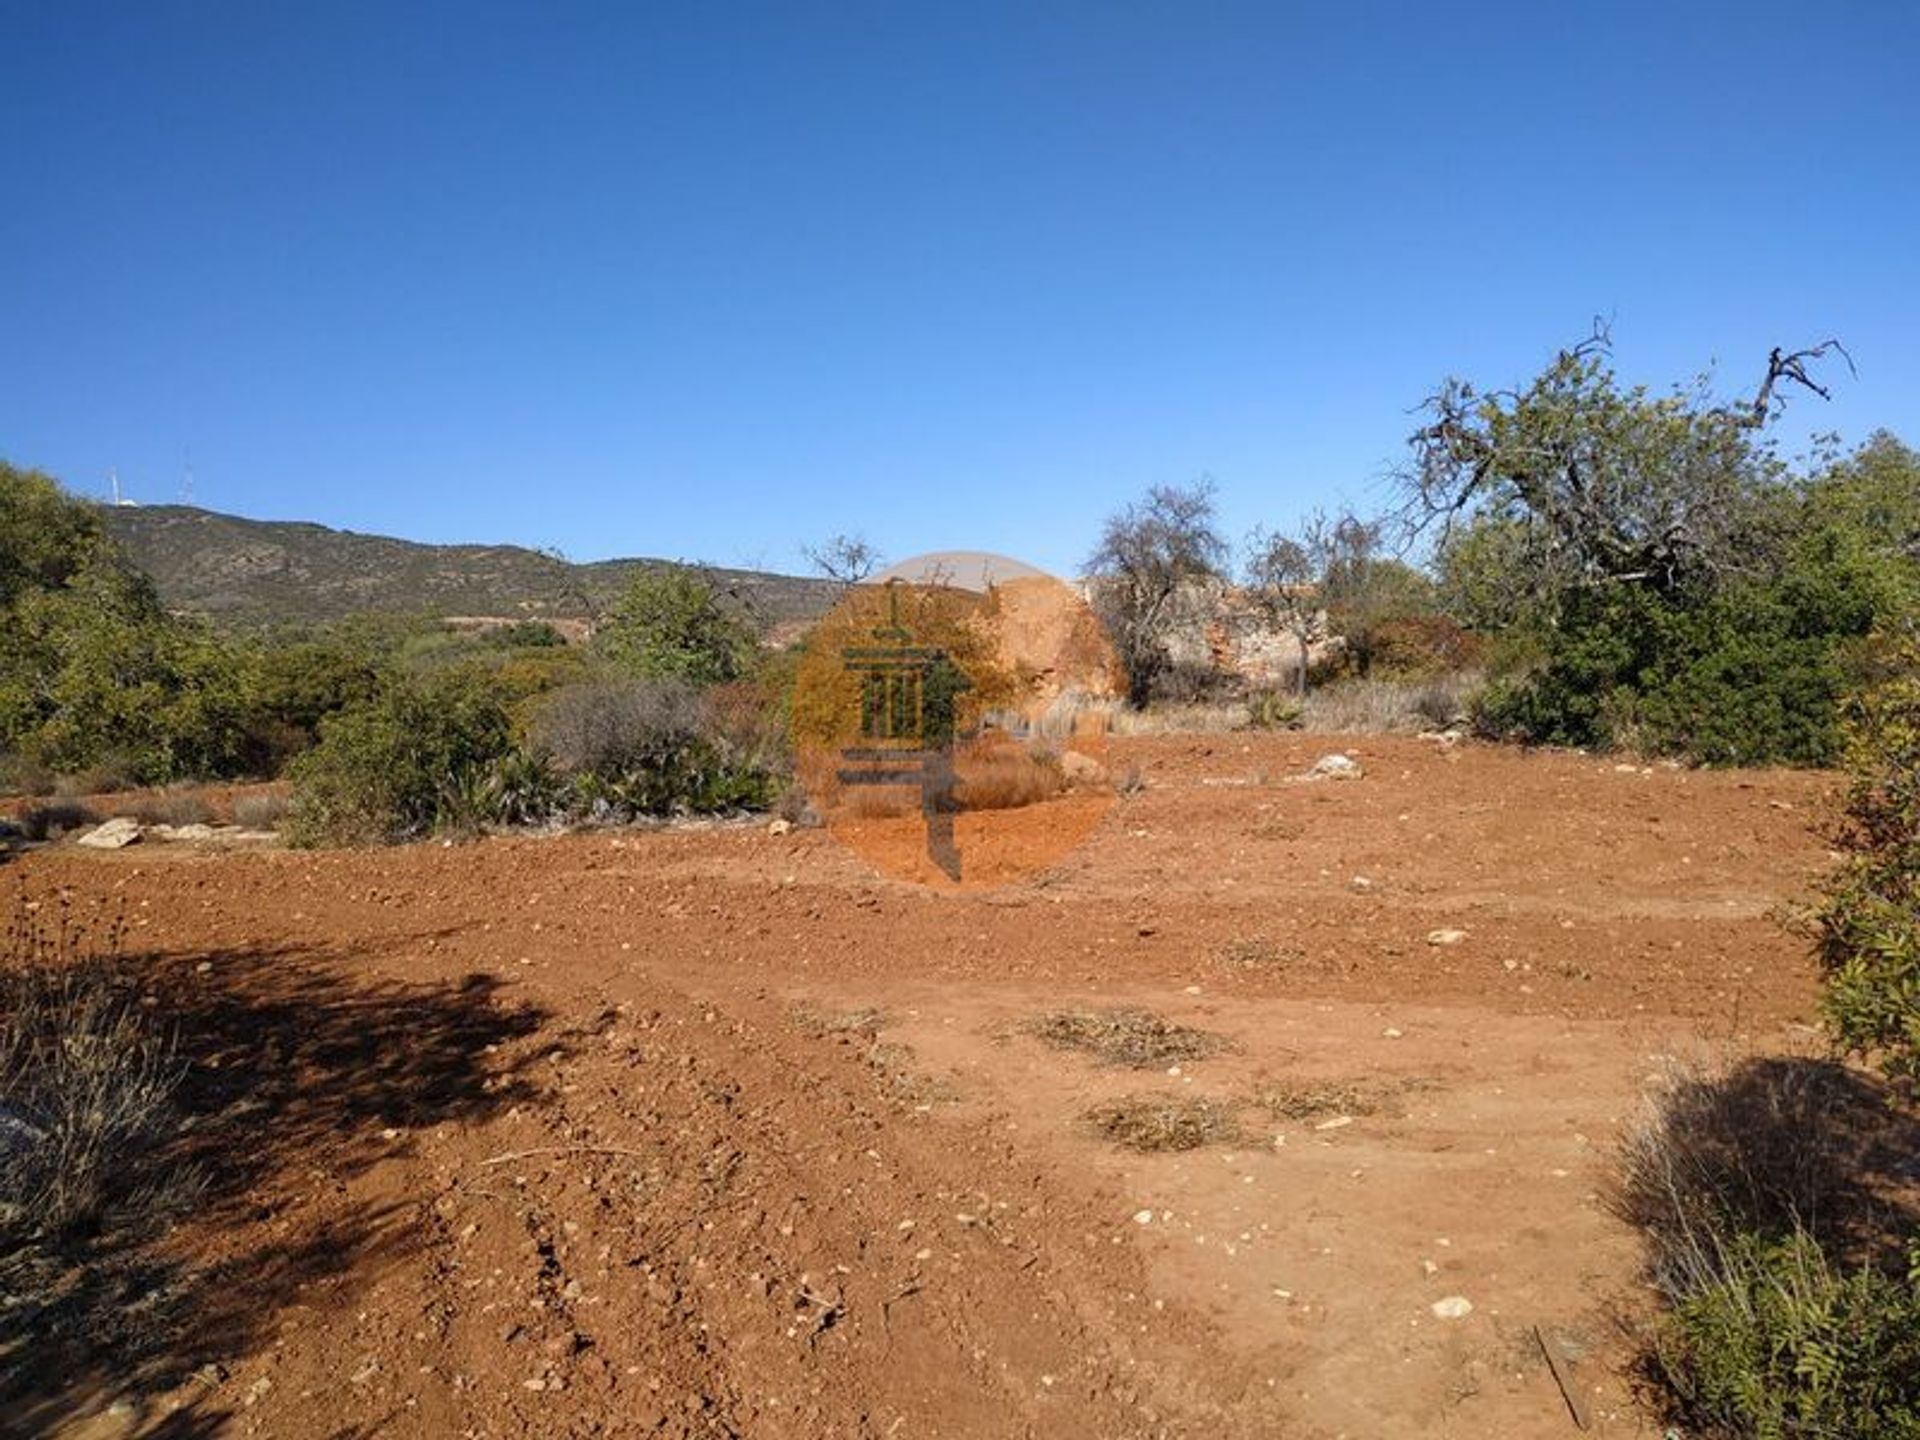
{"x":116,"y":834}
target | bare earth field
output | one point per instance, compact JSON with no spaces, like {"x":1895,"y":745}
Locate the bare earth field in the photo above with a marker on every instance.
{"x":716,"y":1133}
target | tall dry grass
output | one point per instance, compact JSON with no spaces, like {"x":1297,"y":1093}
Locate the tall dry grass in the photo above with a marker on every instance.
{"x":86,"y":1084}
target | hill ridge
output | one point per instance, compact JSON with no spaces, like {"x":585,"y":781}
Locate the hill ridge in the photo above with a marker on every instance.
{"x":254,"y":573}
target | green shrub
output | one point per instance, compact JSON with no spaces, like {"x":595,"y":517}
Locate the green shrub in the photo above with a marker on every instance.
{"x":1870,"y":925}
{"x":1736,"y":678}
{"x":651,"y":748}
{"x":516,"y":789}
{"x":1785,"y":1346}
{"x":386,"y":771}
{"x":672,"y":624}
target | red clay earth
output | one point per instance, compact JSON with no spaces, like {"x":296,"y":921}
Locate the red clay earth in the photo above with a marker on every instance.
{"x":712,"y":1132}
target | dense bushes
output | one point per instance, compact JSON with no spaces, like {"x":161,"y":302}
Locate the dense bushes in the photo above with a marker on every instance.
{"x":446,"y":754}
{"x":672,"y":624}
{"x":649,"y":748}
{"x":96,"y":672}
{"x":1786,"y":1344}
{"x":1737,"y":679}
{"x":1746,"y":667}
{"x":1766,"y":1195}
{"x":1777,"y":1200}
{"x":390,"y":770}
{"x":1870,"y":927}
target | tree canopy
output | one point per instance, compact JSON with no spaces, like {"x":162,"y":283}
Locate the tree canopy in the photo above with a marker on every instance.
{"x":672,"y":624}
{"x":1146,"y":554}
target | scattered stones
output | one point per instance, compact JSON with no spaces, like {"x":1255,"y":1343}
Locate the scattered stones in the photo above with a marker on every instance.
{"x":1143,"y":1217}
{"x":183,"y":832}
{"x":116,"y":834}
{"x":1445,"y":937}
{"x":1454,"y":1307}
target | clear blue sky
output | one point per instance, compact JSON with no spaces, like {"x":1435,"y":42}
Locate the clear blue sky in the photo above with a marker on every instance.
{"x":711,"y":280}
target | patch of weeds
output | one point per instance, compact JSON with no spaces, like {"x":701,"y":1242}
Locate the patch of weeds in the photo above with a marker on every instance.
{"x":1314,"y":1099}
{"x":864,"y":1021}
{"x":1149,"y":1123}
{"x":1782,"y":1228}
{"x":1139,"y":1039}
{"x":1279,"y":827}
{"x":894,"y":1065}
{"x":1257,"y":952}
{"x":261,"y":812}
{"x":183,"y":805}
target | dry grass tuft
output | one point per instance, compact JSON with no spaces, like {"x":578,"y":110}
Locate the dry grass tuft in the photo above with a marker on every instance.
{"x":1006,"y":777}
{"x":1768,"y":1147}
{"x":1313,"y":1099}
{"x":1382,"y":706}
{"x":1139,"y":1039}
{"x":1316,"y":1099}
{"x":88,"y":1081}
{"x":1164,"y":1122}
{"x":1257,"y":952}
{"x":864,"y":1021}
{"x":1197,"y":718}
{"x":183,"y":805}
{"x":893,"y":1064}
{"x":261,"y":812}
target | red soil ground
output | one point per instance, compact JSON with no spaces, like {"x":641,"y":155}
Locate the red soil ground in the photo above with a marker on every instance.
{"x":715,"y":1132}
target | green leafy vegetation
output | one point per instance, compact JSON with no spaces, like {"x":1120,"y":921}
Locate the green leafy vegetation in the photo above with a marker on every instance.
{"x":94,"y":670}
{"x":1660,"y":580}
{"x":674,"y":625}
{"x":1784,"y":1344}
{"x":1870,"y":926}
{"x":392,"y":769}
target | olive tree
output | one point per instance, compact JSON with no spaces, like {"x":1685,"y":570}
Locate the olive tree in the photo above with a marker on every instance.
{"x":1575,"y":481}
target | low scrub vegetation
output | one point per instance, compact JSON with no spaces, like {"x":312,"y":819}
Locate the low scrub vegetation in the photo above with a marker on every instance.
{"x":1151,"y":1123}
{"x":264,"y":811}
{"x":1138,"y":1039}
{"x":176,"y":805}
{"x":1778,"y":1234}
{"x":87,"y":1078}
{"x":1777,"y":1198}
{"x":1369,"y":706}
{"x":1870,"y":926}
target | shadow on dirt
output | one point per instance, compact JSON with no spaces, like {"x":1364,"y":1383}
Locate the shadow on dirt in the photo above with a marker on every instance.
{"x":296,"y":1080}
{"x":1773,"y":1145}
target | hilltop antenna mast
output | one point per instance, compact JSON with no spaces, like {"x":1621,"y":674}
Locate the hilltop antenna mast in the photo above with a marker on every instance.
{"x":114,"y":476}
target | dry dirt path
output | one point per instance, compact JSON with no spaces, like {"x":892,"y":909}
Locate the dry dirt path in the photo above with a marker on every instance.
{"x":715,"y":1133}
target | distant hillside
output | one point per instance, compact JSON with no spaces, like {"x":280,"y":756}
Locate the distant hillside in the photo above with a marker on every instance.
{"x":259,"y":572}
